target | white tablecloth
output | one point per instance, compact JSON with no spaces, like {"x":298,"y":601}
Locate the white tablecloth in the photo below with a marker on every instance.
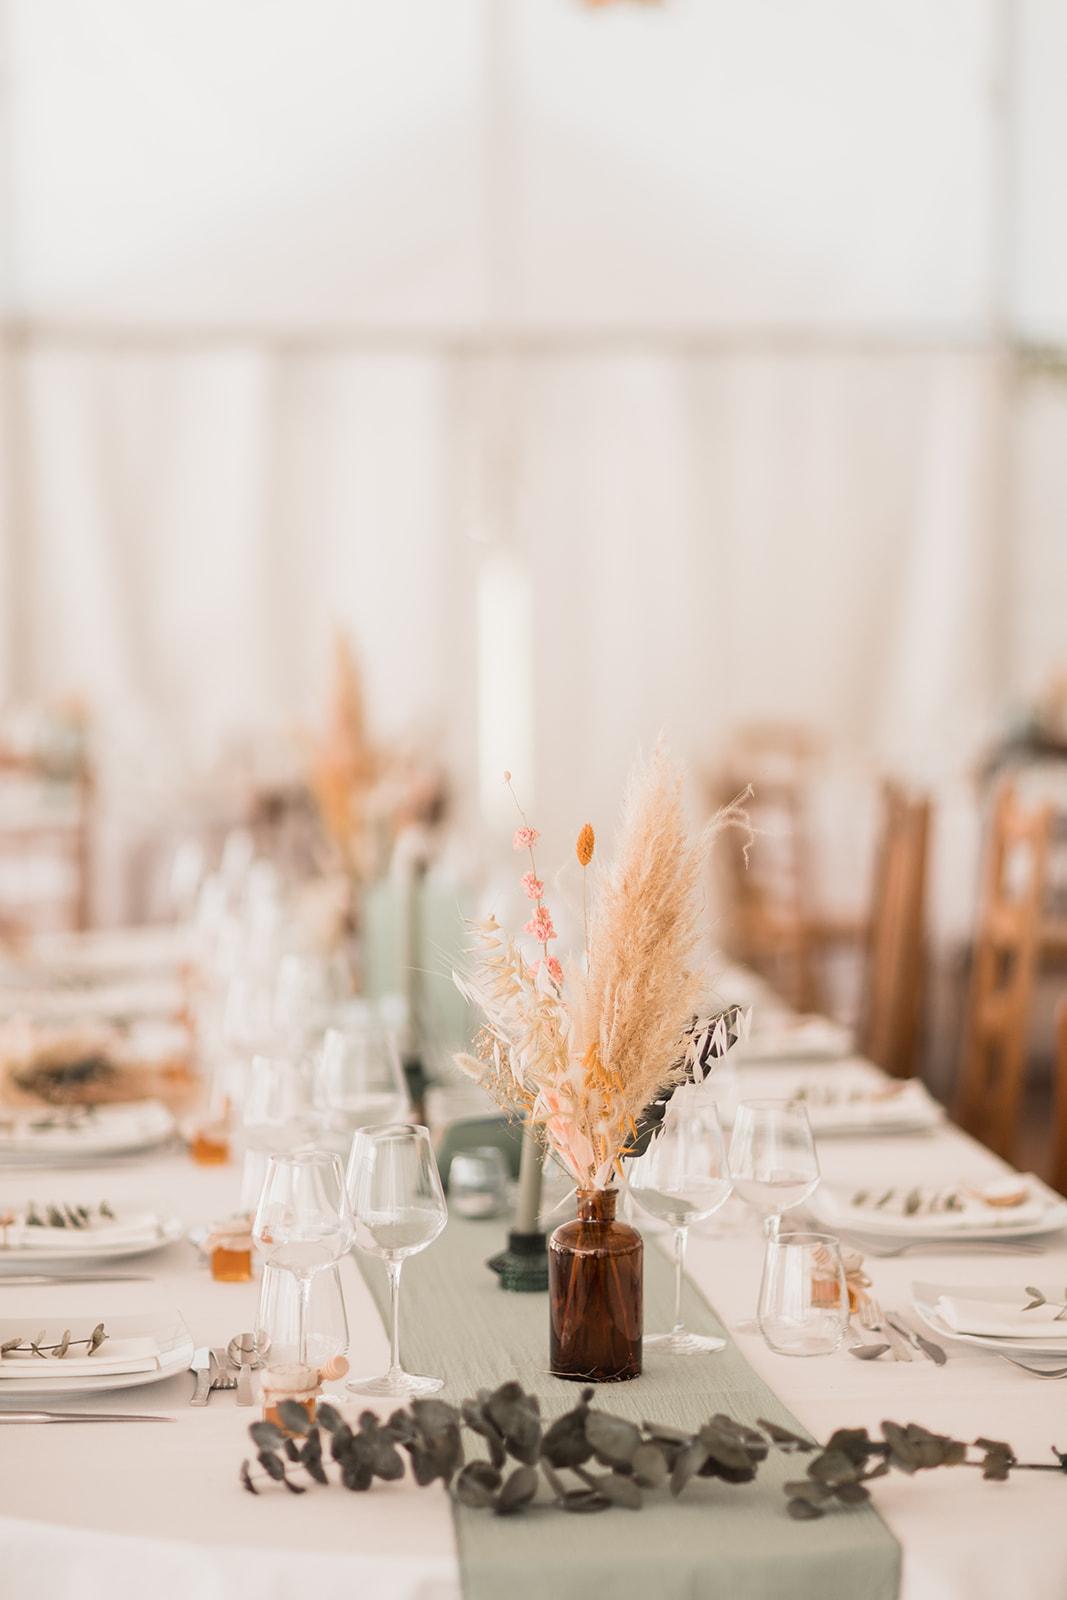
{"x":127,"y":1511}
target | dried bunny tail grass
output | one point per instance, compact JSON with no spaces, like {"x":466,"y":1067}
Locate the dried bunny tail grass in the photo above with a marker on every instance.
{"x":645,"y":981}
{"x":586,"y":844}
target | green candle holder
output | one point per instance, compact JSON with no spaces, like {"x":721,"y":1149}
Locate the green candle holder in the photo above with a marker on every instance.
{"x":523,"y":1266}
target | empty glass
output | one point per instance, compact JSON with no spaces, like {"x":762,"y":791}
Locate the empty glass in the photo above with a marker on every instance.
{"x":358,"y":1079}
{"x":803,"y":1301}
{"x":399,"y":1208}
{"x":772,"y":1156}
{"x":279,"y":1113}
{"x":278,"y":1318}
{"x":478,"y":1183}
{"x":682,"y":1178}
{"x":303,"y":1221}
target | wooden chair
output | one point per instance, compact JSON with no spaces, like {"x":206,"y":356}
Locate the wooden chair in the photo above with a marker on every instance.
{"x":891,"y":1005}
{"x":770,"y":898}
{"x":993,"y":1066}
{"x":45,"y":829}
{"x":1058,"y":1174}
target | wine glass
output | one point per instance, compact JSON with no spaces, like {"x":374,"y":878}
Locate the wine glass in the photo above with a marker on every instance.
{"x":399,"y":1208}
{"x":683,"y":1178}
{"x":772,"y":1157}
{"x":358,"y":1079}
{"x":304,"y":1221}
{"x":278,"y":1116}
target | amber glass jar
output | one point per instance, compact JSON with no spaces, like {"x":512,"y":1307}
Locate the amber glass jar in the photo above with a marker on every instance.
{"x":595,"y":1284}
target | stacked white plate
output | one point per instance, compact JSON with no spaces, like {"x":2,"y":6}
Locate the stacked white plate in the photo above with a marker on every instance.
{"x":128,"y":1231}
{"x":940,"y":1213}
{"x":60,"y":1138}
{"x":138,"y":1350}
{"x":794,"y":1038}
{"x":995,"y":1318}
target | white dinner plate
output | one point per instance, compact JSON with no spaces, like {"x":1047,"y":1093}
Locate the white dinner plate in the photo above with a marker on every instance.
{"x":795,"y":1039}
{"x":45,"y":1138}
{"x":17,"y":1258}
{"x":926,"y":1295}
{"x":168,"y":1329}
{"x":830,"y":1205}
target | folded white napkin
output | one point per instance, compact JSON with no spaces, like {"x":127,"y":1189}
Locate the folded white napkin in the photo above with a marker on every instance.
{"x":998,"y":1319}
{"x":114,"y":1356}
{"x":142,"y":1227}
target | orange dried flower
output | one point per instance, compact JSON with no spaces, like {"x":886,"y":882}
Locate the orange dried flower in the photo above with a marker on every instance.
{"x":586,"y":844}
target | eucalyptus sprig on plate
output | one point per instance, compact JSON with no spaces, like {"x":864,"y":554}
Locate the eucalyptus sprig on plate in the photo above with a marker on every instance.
{"x":1038,"y":1299}
{"x":589,"y":1460}
{"x":54,"y":1352}
{"x":63,"y":1215}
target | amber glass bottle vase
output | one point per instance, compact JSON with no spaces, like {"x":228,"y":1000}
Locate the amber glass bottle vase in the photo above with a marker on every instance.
{"x":595,"y":1283}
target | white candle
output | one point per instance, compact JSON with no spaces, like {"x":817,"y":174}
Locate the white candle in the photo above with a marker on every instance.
{"x":528,"y":1208}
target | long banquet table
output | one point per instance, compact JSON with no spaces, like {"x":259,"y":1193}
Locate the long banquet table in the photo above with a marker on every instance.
{"x":127,"y":1511}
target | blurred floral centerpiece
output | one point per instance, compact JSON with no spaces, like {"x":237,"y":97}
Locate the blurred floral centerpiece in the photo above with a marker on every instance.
{"x":581,"y":1047}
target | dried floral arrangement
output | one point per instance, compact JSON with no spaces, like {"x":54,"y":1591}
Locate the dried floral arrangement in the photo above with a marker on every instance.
{"x":590,"y":1460}
{"x":580,"y":1050}
{"x":54,"y":1352}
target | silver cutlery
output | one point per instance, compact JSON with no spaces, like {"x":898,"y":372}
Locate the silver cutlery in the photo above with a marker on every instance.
{"x":1036,"y":1372}
{"x":79,"y":1416}
{"x":942,"y":1247}
{"x":933,"y":1352}
{"x":201,"y":1365}
{"x":26,"y":1280}
{"x":873,"y":1319}
{"x":223,"y":1375}
{"x":863,"y":1349}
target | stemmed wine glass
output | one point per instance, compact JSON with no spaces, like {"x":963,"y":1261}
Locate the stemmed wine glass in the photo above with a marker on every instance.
{"x":303,"y":1221}
{"x":772,"y":1157}
{"x":358,"y":1079}
{"x":399,"y":1208}
{"x":773,"y":1160}
{"x":683,"y":1178}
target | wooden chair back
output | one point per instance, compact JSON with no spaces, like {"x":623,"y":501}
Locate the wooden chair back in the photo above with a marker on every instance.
{"x":892,"y":1001}
{"x":1058,"y":1174}
{"x":770,"y":899}
{"x":1008,"y":941}
{"x":44,"y":834}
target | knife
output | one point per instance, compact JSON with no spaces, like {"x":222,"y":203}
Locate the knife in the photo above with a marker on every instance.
{"x":201,"y":1365}
{"x":932,"y":1352}
{"x":25,"y":1280}
{"x":79,"y":1416}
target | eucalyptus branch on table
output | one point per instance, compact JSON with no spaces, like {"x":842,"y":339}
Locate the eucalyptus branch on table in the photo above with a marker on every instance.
{"x":590,"y":1460}
{"x":54,"y":1352}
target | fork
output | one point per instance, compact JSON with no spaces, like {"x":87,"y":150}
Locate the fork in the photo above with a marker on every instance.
{"x":872,"y":1318}
{"x":222,"y":1375}
{"x":1036,"y":1372}
{"x":957,"y":1247}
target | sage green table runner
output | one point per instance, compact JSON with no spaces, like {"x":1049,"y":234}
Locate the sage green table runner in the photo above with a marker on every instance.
{"x":718,"y":1541}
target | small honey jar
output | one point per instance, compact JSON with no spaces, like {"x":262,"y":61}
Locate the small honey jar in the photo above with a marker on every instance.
{"x":295,"y":1381}
{"x":210,"y":1145}
{"x":229,"y":1246}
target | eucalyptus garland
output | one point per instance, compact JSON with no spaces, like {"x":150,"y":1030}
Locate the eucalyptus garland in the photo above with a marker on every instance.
{"x":589,"y":1460}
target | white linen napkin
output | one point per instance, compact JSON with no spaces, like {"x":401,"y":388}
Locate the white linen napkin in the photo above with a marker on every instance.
{"x":142,"y":1227}
{"x":998,"y":1319}
{"x":114,"y":1356}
